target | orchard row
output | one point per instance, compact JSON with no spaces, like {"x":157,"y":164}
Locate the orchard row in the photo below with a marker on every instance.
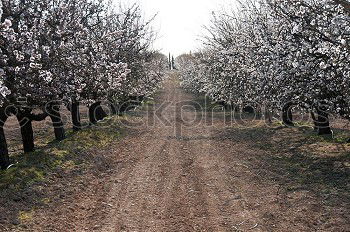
{"x":279,"y":54}
{"x":73,"y":51}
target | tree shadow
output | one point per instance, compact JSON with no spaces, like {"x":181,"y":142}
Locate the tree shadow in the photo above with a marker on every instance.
{"x":24,"y":187}
{"x":290,"y":161}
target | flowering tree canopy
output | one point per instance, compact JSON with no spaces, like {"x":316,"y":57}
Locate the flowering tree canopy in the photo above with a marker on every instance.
{"x":275,"y":52}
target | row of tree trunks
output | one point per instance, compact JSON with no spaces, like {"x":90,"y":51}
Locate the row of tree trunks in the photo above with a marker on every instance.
{"x":25,"y":118}
{"x":96,"y":113}
{"x":321,"y":120}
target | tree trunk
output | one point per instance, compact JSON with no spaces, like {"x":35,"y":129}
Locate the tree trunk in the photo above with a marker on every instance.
{"x":248,"y":109}
{"x":101,"y":114}
{"x":142,"y":99}
{"x":287,"y":114}
{"x":96,"y":113}
{"x":26,"y":130}
{"x":54,"y":113}
{"x":114,"y":109}
{"x":4,"y":154}
{"x":74,"y":109}
{"x":268,"y":117}
{"x":123,"y":108}
{"x":314,"y":119}
{"x":323,"y":122}
{"x":92,"y":112}
{"x":236,"y":108}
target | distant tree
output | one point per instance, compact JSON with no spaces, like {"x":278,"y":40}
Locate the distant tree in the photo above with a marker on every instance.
{"x":169,"y":61}
{"x":173,"y":63}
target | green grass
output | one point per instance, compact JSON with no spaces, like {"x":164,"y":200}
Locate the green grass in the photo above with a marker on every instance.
{"x":339,"y":137}
{"x":34,"y":167}
{"x":25,"y":215}
{"x":203,"y":102}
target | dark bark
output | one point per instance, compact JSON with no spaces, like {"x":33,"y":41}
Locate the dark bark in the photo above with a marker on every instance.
{"x":124,"y":107}
{"x":229,"y":107}
{"x":74,"y":109}
{"x":96,"y":113}
{"x":314,"y":119}
{"x":323,"y":122}
{"x":92,"y":112}
{"x":249,"y":109}
{"x":268,"y":117}
{"x":114,"y":109}
{"x":4,"y":154}
{"x":141,"y":99}
{"x":287,"y":114}
{"x":223,"y":104}
{"x":54,"y":113}
{"x":236,"y":108}
{"x":38,"y":117}
{"x":135,"y":100}
{"x":101,"y":114}
{"x":25,"y":123}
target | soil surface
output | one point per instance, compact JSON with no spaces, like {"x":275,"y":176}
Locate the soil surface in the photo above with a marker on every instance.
{"x":176,"y":172}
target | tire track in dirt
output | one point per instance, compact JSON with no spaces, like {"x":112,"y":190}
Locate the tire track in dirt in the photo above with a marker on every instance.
{"x":188,"y":206}
{"x":150,"y":183}
{"x":165,"y":191}
{"x":136,"y":191}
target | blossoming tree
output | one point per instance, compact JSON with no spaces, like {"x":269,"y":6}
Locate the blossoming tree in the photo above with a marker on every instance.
{"x":69,"y":52}
{"x":278,"y":54}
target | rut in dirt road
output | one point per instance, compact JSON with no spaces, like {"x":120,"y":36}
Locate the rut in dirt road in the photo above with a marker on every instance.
{"x":176,"y":172}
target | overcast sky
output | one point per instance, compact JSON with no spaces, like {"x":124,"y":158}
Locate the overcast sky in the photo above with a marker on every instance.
{"x":180,"y":22}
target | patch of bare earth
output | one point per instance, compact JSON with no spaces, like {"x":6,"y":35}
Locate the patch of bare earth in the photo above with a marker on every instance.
{"x":172,"y":175}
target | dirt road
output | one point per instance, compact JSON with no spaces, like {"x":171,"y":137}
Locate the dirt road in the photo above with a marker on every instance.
{"x":180,"y":182}
{"x":166,"y":176}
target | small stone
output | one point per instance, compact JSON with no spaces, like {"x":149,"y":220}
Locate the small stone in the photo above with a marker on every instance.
{"x":15,"y":222}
